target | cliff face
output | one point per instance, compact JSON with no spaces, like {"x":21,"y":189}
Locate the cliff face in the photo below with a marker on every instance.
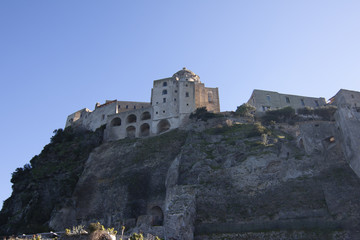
{"x":221,"y":178}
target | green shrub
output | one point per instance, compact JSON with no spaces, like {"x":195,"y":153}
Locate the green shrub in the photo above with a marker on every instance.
{"x":325,"y":112}
{"x":280,"y":115}
{"x":202,"y":114}
{"x":245,"y":110}
{"x":306,"y":111}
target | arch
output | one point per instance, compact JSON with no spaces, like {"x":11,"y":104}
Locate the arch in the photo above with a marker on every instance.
{"x":144,"y":130}
{"x":130,"y":131}
{"x":163,"y":126}
{"x":164,"y":92}
{"x":145,"y":116}
{"x":115,"y":122}
{"x":158,"y":216}
{"x":131,"y":118}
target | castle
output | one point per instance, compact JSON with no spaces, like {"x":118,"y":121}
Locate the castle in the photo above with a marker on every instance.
{"x":173,"y":99}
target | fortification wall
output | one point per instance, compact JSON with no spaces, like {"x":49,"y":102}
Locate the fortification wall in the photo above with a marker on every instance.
{"x":348,"y":122}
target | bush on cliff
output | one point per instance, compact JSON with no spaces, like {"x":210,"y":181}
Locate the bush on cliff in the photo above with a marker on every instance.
{"x":202,"y":114}
{"x":245,"y":110}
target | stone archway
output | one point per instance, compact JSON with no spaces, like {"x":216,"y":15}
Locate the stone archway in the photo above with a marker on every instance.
{"x":131,"y":118}
{"x":163,"y":126}
{"x":145,"y":130}
{"x":130,"y":131}
{"x":158,"y":216}
{"x":145,"y":116}
{"x":115,"y":122}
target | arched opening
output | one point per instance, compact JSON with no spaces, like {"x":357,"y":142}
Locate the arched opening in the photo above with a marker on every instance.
{"x":301,"y":144}
{"x":130,"y":131}
{"x":145,"y":130}
{"x":164,"y":92}
{"x":115,"y":122}
{"x":158,"y":216}
{"x":145,"y":116}
{"x":163,"y":126}
{"x":131,"y":118}
{"x":210,"y":97}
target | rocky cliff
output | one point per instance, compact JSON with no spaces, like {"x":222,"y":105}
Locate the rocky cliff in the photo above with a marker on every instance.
{"x":225,"y":178}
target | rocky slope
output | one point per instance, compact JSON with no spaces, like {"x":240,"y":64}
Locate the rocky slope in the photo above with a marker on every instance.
{"x":221,"y":179}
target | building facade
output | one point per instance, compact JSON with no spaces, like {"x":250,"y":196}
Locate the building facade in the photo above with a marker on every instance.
{"x":268,"y":100}
{"x":172,"y":101}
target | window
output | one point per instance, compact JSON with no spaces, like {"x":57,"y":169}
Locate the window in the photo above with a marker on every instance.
{"x":302,"y":102}
{"x":316,"y":103}
{"x":119,"y":107}
{"x":287,"y":100}
{"x":127,"y":106}
{"x":175,"y":91}
{"x":103,"y":116}
{"x":210,"y":97}
{"x":174,"y":99}
{"x":134,"y":107}
{"x":164,"y":100}
{"x":187,"y":94}
{"x":187,"y":104}
{"x":263,"y":108}
{"x":268,"y":98}
{"x":186,"y":84}
{"x":157,"y":112}
{"x":164,"y":111}
{"x":164,"y":84}
{"x":352,"y":95}
{"x":164,"y":92}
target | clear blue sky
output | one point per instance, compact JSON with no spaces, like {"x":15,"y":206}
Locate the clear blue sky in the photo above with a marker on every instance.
{"x":57,"y":57}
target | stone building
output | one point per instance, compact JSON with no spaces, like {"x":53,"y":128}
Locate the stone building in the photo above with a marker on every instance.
{"x":348,"y":98}
{"x":348,"y":125}
{"x":172,"y":101}
{"x":268,"y":100}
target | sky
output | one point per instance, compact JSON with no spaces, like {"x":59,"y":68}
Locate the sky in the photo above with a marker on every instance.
{"x":57,"y":57}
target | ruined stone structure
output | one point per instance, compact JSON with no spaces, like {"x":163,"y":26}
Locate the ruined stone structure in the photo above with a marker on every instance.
{"x":172,"y":100}
{"x":268,"y":100}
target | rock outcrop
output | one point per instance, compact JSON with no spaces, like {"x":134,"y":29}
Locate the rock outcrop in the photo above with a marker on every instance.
{"x":226,"y":178}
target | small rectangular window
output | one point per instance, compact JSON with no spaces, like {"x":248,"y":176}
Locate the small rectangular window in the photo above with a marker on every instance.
{"x":119,"y":107}
{"x":187,"y":94}
{"x":164,"y":92}
{"x":127,"y":106}
{"x":164,"y":84}
{"x":316,"y":103}
{"x":164,"y":100}
{"x":302,"y":102}
{"x":287,"y":100}
{"x":268,"y":98}
{"x":103,"y":116}
{"x":174,"y":99}
{"x":134,"y":107}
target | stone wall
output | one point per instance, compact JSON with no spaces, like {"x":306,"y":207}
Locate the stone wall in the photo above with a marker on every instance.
{"x":266,"y":100}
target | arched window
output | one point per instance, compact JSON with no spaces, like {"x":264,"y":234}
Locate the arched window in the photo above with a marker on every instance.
{"x":115,"y":122}
{"x":210,"y":97}
{"x":164,"y":92}
{"x":144,"y":130}
{"x":163,"y":126}
{"x":145,"y":116}
{"x":130,"y":131}
{"x":158,"y":216}
{"x":131,"y":118}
